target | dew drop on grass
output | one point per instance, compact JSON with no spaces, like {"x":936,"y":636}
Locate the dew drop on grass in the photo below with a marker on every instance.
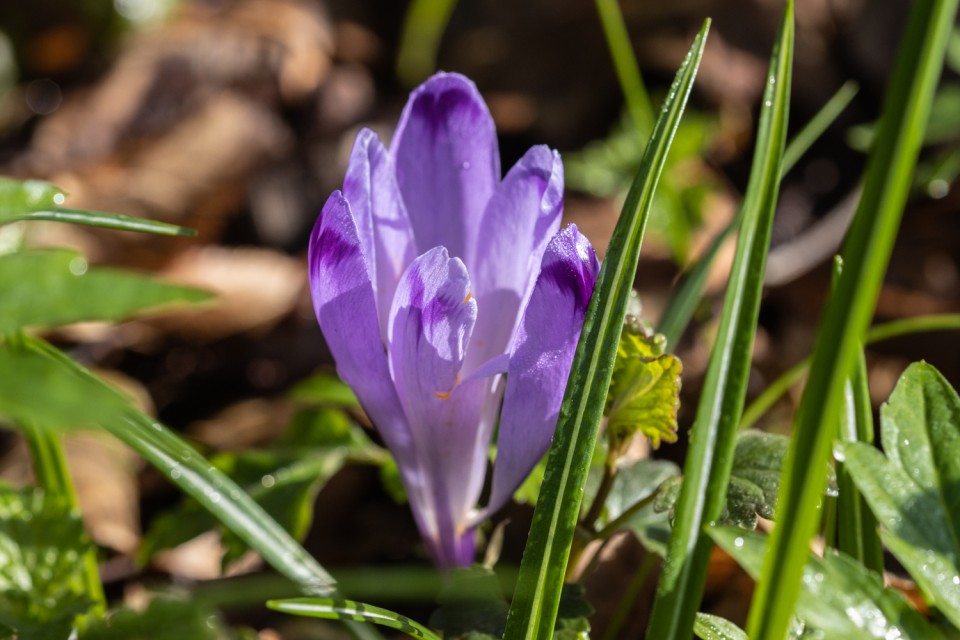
{"x":956,"y":580}
{"x":738,"y":542}
{"x":268,"y":481}
{"x":78,"y":266}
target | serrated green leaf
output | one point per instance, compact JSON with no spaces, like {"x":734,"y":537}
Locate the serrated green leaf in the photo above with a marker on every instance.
{"x":915,"y":490}
{"x":164,"y":618}
{"x":837,"y":596}
{"x":42,"y":582}
{"x":711,"y":627}
{"x":644,"y":393}
{"x":48,"y":288}
{"x":39,"y":383}
{"x":338,"y":609}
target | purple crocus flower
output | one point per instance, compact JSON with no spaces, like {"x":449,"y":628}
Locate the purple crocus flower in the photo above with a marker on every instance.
{"x":431,"y":278}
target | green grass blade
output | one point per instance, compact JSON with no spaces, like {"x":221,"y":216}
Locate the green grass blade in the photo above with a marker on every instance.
{"x":423,"y":28}
{"x":87,"y":401}
{"x":856,"y":527}
{"x":625,"y":64}
{"x":886,"y":331}
{"x":817,"y":125}
{"x":847,"y":315}
{"x":53,"y":476}
{"x":713,"y":436}
{"x":684,"y":302}
{"x":348,"y":610}
{"x":115,"y":221}
{"x":534,"y":608}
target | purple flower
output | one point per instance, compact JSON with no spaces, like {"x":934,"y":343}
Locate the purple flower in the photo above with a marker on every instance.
{"x":431,"y":278}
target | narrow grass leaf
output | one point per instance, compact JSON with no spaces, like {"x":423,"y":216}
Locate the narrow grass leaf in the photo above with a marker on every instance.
{"x":534,"y":608}
{"x":713,"y":435}
{"x":684,"y":302}
{"x":49,"y":288}
{"x":335,"y":609}
{"x":39,"y":200}
{"x":115,"y":221}
{"x":423,"y":28}
{"x":886,"y":331}
{"x":856,"y":527}
{"x":847,"y":314}
{"x":80,"y":399}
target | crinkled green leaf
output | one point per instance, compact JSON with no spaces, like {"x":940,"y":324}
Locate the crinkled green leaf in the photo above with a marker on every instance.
{"x":915,"y":490}
{"x":838,"y":597}
{"x":644,"y":393}
{"x":47,"y":288}
{"x":164,"y":618}
{"x":754,"y":481}
{"x":42,"y":583}
{"x":711,"y":627}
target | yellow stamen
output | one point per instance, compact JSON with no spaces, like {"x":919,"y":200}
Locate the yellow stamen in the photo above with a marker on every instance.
{"x":469,"y":296}
{"x":443,"y":395}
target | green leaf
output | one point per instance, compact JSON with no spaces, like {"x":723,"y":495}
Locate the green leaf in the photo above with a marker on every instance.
{"x":644,"y":393}
{"x":710,"y":627}
{"x":331,"y":609}
{"x":846,"y":317}
{"x":42,"y":580}
{"x":533,"y":610}
{"x":471,"y":603}
{"x":713,"y":435}
{"x":630,"y":503}
{"x":49,"y":288}
{"x":915,"y":490}
{"x":39,"y":384}
{"x":324,"y":389}
{"x":754,"y":481}
{"x":38,"y":200}
{"x":837,"y":596}
{"x":164,"y":618}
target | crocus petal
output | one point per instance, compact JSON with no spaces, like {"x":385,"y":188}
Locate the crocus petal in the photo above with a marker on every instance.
{"x":344,"y":303}
{"x":431,"y":321}
{"x":540,"y":365}
{"x":447,"y":161}
{"x":522,"y":216}
{"x":386,"y":237}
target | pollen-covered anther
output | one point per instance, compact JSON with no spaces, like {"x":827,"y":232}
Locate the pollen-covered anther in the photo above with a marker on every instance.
{"x":444,"y":395}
